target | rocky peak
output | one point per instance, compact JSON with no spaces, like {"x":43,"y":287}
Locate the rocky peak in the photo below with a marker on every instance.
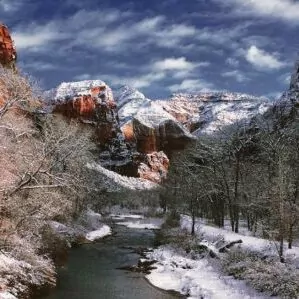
{"x":129,"y":101}
{"x":207,"y":112}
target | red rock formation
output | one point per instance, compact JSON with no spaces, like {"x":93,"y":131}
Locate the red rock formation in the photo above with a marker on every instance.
{"x":128,"y":132}
{"x":155,"y":167}
{"x":93,"y":108}
{"x":183,"y":110}
{"x":167,"y":136}
{"x":8,"y":52}
{"x":149,"y":136}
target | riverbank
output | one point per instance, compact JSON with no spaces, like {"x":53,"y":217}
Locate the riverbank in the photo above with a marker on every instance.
{"x":215,"y":263}
{"x":25,"y":276}
{"x":94,"y":270}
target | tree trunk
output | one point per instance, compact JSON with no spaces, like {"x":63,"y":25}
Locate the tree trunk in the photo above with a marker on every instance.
{"x":193,"y":224}
{"x":236,"y":195}
{"x":290,"y":236}
{"x":281,"y":249}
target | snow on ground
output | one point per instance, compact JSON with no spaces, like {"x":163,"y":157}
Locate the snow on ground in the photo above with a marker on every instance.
{"x":89,"y":225}
{"x":194,"y":278}
{"x":125,"y":216}
{"x":16,"y":276}
{"x":6,"y":295}
{"x":104,"y":231}
{"x":139,"y":222}
{"x":252,"y":244}
{"x":139,"y":225}
{"x":123,"y":181}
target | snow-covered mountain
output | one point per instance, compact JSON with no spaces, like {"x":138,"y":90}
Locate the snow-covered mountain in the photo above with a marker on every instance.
{"x":71,"y":89}
{"x":129,"y":102}
{"x":208,"y":112}
{"x":200,"y":113}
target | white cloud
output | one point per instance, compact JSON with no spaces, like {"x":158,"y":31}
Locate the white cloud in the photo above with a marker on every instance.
{"x":237,"y":75}
{"x":110,"y":30}
{"x":174,"y":64}
{"x":83,"y":77}
{"x":34,"y":36}
{"x":192,"y":85}
{"x":39,"y":66}
{"x":286,"y":10}
{"x":225,"y":36}
{"x":232,"y":62}
{"x":263,"y":60}
{"x":141,"y":81}
{"x":9,"y":5}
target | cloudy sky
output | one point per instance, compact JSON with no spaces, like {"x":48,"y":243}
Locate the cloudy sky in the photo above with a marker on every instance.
{"x":158,"y":46}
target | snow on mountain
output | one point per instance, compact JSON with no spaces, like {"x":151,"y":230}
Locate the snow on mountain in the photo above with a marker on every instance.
{"x":129,"y":102}
{"x":208,"y":112}
{"x":204,"y":112}
{"x":71,"y":89}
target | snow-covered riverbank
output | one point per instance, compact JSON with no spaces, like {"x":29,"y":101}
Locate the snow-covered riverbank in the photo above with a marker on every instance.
{"x":18,"y":278}
{"x":197,"y":275}
{"x":195,"y":278}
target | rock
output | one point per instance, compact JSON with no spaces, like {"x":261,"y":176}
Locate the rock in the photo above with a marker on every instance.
{"x":128,"y":131}
{"x":208,"y":112}
{"x":92,"y":102}
{"x":155,"y":167}
{"x":156,"y":130}
{"x":8,"y":54}
{"x":129,"y":101}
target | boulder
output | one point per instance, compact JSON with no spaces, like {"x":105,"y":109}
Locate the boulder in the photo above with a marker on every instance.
{"x":155,"y":167}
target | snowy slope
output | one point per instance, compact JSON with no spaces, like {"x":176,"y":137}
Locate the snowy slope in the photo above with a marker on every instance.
{"x":214,"y":110}
{"x":70,"y":89}
{"x":114,"y":181}
{"x":129,"y":101}
{"x":201,"y":113}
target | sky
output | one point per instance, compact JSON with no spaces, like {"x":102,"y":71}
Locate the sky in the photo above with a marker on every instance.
{"x":158,"y":46}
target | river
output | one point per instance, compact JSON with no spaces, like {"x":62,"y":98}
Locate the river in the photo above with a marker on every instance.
{"x":91,"y":271}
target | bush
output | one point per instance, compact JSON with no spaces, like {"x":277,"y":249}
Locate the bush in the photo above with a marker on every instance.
{"x":172,"y":220}
{"x":264,"y":275}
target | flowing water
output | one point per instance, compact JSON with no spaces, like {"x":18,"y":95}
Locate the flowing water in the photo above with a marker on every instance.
{"x":91,"y":270}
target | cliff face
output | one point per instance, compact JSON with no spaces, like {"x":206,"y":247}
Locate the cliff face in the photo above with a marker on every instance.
{"x":134,"y":149}
{"x":156,"y":130}
{"x":136,"y":135}
{"x":93,"y":103}
{"x":285,"y":112}
{"x":8,"y":54}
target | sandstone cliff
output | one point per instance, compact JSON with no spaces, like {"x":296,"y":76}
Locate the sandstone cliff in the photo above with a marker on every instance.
{"x":8,"y":54}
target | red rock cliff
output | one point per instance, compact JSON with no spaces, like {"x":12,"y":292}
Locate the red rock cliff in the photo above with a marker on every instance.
{"x":8,"y":54}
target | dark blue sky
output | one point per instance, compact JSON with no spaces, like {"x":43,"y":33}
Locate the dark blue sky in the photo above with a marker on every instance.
{"x":158,"y":46}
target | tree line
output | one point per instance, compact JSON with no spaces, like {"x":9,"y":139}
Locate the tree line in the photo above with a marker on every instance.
{"x":246,"y":173}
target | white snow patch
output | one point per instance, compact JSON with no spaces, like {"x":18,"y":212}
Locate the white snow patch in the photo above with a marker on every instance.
{"x":125,"y":216}
{"x":251,"y":244}
{"x":123,"y":181}
{"x":194,"y":278}
{"x":104,"y":231}
{"x":72,"y":89}
{"x":139,"y":225}
{"x":6,"y":295}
